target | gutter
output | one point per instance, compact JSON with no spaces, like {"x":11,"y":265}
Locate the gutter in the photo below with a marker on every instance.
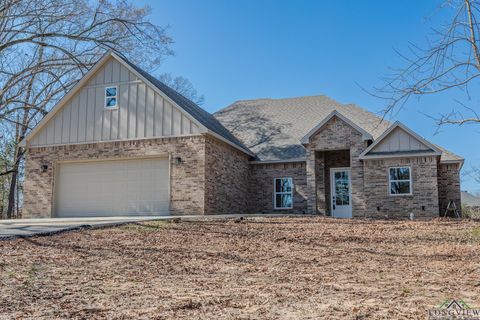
{"x":277,"y":161}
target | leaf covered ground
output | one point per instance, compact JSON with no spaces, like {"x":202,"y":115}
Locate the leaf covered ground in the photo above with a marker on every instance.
{"x":257,"y":268}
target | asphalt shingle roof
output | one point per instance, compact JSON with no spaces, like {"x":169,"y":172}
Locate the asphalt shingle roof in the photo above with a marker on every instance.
{"x":273,"y":128}
{"x":448,"y":155}
{"x":202,"y":116}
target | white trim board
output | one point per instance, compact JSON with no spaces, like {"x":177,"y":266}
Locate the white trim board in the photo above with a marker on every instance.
{"x":459,"y":162}
{"x":400,"y":155}
{"x":116,"y":140}
{"x":277,"y":161}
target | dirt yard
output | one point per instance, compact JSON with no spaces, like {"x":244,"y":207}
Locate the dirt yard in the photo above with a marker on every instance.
{"x":278,"y":268}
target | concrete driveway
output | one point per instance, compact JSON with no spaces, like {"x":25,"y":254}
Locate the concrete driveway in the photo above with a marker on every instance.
{"x":16,"y":228}
{"x":34,"y":227}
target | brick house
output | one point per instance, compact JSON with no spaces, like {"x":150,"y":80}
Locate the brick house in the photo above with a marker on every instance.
{"x":123,"y":143}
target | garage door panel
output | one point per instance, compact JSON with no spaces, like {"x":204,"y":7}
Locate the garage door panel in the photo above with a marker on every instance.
{"x":113,"y":188}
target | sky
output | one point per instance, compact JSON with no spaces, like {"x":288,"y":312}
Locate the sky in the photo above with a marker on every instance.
{"x":233,"y":50}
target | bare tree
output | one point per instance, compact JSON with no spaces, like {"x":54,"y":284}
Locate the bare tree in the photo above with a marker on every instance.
{"x":47,"y":45}
{"x":450,"y":60}
{"x":183,"y":86}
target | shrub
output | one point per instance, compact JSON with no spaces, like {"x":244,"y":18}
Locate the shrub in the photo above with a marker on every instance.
{"x":471,"y":212}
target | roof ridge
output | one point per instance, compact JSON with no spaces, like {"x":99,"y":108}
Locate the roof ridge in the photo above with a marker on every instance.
{"x":382,"y":120}
{"x":286,"y":98}
{"x":234,"y":104}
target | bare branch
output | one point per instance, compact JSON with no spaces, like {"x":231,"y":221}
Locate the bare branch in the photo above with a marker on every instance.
{"x":451,"y":60}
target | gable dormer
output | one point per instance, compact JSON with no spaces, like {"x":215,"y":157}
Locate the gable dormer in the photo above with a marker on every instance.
{"x":398,"y":140}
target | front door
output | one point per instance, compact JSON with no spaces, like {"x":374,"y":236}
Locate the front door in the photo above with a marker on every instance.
{"x":341,"y":193}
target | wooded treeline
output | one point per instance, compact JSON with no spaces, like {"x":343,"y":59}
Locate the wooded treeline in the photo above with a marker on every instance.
{"x":45,"y":48}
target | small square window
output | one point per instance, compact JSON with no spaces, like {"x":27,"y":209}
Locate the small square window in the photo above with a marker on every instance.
{"x":283,"y":193}
{"x":400,"y":181}
{"x":110,"y":97}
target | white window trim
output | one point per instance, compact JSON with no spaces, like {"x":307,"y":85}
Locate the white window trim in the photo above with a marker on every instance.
{"x":115,"y":96}
{"x":410,"y":181}
{"x":275,"y":193}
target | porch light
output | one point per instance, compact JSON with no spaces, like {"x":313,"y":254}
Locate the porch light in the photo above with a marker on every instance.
{"x":44,"y":168}
{"x":178,"y":160}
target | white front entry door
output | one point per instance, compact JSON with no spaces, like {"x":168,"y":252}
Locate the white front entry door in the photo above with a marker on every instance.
{"x":341,"y":192}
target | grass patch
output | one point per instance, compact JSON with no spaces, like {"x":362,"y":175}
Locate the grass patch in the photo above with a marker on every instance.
{"x":474,"y":233}
{"x":470,"y":212}
{"x":159,"y":224}
{"x":145,"y":227}
{"x":33,"y":272}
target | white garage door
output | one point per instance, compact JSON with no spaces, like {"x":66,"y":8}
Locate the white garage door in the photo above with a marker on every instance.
{"x":112,"y":188}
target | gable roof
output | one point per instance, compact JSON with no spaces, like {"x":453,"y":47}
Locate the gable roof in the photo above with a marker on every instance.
{"x":367,"y":153}
{"x":58,"y":106}
{"x":448,"y":156}
{"x":274,"y":128}
{"x":335,"y":113}
{"x":206,"y":122}
{"x":202,"y":116}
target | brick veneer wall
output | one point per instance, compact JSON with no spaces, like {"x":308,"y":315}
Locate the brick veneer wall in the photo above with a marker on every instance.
{"x":216,"y":178}
{"x":424,"y":186}
{"x":260,"y":199}
{"x":448,"y":186}
{"x":187,"y":179}
{"x":226,"y":178}
{"x":335,"y":135}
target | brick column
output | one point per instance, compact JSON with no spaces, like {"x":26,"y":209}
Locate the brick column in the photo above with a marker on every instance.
{"x":311,"y":183}
{"x":358,"y":194}
{"x":320,"y":179}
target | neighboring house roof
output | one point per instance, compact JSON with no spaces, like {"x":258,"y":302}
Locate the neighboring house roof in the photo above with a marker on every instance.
{"x":273,"y":128}
{"x":470,"y":200}
{"x":204,"y":119}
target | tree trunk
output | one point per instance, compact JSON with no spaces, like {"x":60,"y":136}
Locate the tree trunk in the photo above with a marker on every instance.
{"x":2,"y":193}
{"x":11,"y":192}
{"x":20,"y":133}
{"x":13,"y":177}
{"x":17,"y":209}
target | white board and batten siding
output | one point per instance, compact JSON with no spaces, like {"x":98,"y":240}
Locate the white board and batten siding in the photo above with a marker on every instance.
{"x":141,"y":112}
{"x":400,"y":141}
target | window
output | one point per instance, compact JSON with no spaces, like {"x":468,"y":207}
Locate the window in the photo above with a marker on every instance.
{"x":110,"y":97}
{"x":400,"y":181}
{"x":283,"y":195}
